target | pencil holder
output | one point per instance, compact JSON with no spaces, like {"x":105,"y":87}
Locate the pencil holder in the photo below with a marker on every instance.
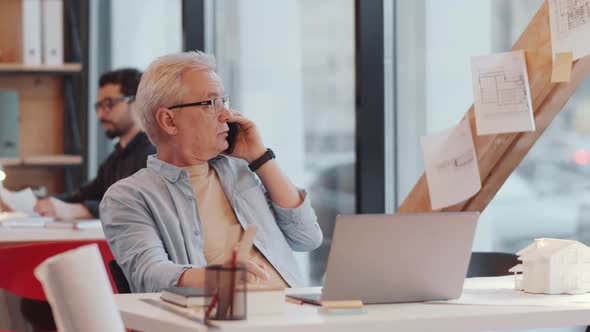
{"x":227,"y":286}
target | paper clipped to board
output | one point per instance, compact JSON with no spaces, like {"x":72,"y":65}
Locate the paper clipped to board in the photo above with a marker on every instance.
{"x":502,"y":93}
{"x":569,"y":21}
{"x":451,"y":166}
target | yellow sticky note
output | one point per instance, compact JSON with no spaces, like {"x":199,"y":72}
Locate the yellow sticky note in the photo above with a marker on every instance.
{"x":353,"y":304}
{"x":562,"y":67}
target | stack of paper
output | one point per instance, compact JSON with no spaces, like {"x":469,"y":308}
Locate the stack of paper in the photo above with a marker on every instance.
{"x":260,"y":300}
{"x":76,"y":224}
{"x":19,"y":220}
{"x":20,"y":201}
{"x":265,"y":300}
{"x":185,"y":296}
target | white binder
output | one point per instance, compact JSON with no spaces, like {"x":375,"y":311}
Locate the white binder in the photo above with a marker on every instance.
{"x":31,"y":25}
{"x":53,"y":32}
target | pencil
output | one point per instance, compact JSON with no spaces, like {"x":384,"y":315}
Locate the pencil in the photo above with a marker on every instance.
{"x":234,"y":263}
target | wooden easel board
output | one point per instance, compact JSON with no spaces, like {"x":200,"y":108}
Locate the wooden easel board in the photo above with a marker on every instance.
{"x":498,"y":155}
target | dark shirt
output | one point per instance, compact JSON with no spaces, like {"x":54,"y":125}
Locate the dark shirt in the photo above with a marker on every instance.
{"x":120,"y":164}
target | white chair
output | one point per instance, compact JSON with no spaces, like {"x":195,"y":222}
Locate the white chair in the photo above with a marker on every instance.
{"x":79,"y":291}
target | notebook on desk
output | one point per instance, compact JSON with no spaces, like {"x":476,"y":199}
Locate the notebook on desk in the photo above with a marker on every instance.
{"x":397,"y":258}
{"x":76,"y":224}
{"x":23,"y":220}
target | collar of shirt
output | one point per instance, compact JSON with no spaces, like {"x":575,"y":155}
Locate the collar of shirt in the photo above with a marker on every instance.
{"x":197,"y":171}
{"x":168,"y":171}
{"x":139,"y":139}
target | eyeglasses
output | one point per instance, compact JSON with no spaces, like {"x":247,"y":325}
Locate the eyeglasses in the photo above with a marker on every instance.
{"x":214,"y":106}
{"x":107,"y":104}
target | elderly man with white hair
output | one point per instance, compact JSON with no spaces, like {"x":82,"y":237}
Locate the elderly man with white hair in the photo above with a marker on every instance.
{"x":168,"y":221}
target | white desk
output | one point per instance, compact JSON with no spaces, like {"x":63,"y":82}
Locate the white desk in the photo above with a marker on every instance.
{"x":390,"y":317}
{"x":12,"y":236}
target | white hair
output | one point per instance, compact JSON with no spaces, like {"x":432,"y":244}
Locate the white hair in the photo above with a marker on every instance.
{"x":161,"y":86}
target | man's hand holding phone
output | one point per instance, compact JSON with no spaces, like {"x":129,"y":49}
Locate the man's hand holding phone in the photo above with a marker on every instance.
{"x":249,"y":147}
{"x":247,"y":143}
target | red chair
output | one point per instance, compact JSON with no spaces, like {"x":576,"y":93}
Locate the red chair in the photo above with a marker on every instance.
{"x":17,"y":264}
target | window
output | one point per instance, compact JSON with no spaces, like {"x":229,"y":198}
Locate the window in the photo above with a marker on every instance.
{"x":289,"y":66}
{"x":548,"y":195}
{"x":129,"y":33}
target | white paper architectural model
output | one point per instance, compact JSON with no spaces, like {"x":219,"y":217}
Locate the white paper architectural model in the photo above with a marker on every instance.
{"x":553,"y":266}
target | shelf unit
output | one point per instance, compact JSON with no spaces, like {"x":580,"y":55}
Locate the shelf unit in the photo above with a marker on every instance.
{"x":15,"y":68}
{"x":52,"y":103}
{"x":49,"y":160}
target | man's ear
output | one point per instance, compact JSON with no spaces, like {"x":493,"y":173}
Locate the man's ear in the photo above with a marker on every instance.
{"x":166,"y":122}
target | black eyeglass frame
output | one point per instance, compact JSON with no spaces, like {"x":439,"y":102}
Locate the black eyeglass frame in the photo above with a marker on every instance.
{"x":113,"y":102}
{"x":210,"y":102}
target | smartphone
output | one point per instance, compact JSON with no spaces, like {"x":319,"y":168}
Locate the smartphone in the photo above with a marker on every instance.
{"x":232,"y":136}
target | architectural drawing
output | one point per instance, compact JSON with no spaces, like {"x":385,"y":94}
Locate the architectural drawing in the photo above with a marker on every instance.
{"x":573,"y":14}
{"x":502,"y":94}
{"x":570,"y":27}
{"x":503,"y":89}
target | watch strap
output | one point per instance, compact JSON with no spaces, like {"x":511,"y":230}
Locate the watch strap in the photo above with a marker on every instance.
{"x":256,"y":164}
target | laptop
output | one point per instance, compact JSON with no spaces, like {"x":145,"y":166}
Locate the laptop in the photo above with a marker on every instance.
{"x":397,"y":258}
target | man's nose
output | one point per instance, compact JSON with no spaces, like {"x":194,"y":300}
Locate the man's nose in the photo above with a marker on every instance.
{"x":225,"y":114}
{"x":100,"y":113}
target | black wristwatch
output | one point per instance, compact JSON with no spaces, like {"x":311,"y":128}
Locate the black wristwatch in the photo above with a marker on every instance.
{"x":255,"y":165}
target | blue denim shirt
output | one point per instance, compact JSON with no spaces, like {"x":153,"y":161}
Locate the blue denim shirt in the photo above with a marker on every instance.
{"x":151,"y":222}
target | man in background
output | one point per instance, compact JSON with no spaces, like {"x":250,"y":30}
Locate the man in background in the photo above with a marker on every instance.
{"x":116,"y":96}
